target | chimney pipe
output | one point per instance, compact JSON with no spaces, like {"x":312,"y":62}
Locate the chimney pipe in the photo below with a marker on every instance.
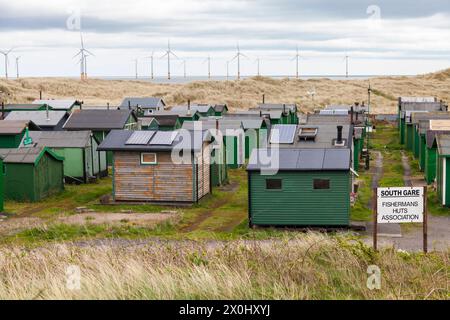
{"x":264,"y":98}
{"x":81,"y":105}
{"x":339,"y":134}
{"x":189,"y":107}
{"x":40,"y":94}
{"x":284,"y":108}
{"x":129,"y":105}
{"x":47,"y":113}
{"x":351,"y":114}
{"x":260,"y":112}
{"x":3,"y":110}
{"x":107,"y":105}
{"x":217,"y":125}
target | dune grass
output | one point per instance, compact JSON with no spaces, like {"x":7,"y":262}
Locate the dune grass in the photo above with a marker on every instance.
{"x":310,"y":266}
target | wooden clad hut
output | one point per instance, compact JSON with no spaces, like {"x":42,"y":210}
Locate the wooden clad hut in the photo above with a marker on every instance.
{"x":443,"y":169}
{"x":143,"y":106}
{"x":59,"y":104}
{"x":13,"y":131}
{"x":159,"y":166}
{"x":46,"y":120}
{"x":166,"y":121}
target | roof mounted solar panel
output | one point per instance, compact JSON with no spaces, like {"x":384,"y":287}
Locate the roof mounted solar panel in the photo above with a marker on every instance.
{"x":283,"y":134}
{"x":165,"y":138}
{"x":140,"y":138}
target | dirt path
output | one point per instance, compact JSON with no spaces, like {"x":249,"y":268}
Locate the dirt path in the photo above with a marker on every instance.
{"x":406,"y":170}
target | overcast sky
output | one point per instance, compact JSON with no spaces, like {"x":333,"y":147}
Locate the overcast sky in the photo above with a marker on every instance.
{"x":381,"y":37}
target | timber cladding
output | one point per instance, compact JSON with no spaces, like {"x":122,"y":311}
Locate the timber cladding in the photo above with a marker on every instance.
{"x":164,"y":181}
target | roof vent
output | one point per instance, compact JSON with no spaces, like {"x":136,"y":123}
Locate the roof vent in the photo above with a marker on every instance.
{"x":307,"y":133}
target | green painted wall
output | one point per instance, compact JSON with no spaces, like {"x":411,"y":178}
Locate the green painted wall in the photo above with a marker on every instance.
{"x":416,"y":142}
{"x":19,"y":182}
{"x":356,"y":154}
{"x":430,"y":164}
{"x":231,"y":145}
{"x":11,"y":141}
{"x":298,"y":203}
{"x":441,"y":180}
{"x":48,"y":177}
{"x":422,"y":151}
{"x":73,"y":161}
{"x":402,"y":131}
{"x":219,"y":169}
{"x":409,"y":137}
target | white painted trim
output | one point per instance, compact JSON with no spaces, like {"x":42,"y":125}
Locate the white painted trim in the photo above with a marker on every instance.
{"x":444,"y":179}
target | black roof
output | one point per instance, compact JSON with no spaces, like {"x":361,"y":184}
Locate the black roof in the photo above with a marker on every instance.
{"x":169,"y":120}
{"x":220,"y":107}
{"x":98,"y":119}
{"x":300,"y":160}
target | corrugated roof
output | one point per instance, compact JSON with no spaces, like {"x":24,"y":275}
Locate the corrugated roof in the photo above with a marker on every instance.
{"x":24,"y":106}
{"x":60,"y":139}
{"x":426,"y":106}
{"x":201,"y":108}
{"x":329,"y":119}
{"x":97,"y":119}
{"x":57,"y":104}
{"x":443,"y":143}
{"x":183,"y":114}
{"x":143,"y":102}
{"x":300,"y":160}
{"x":416,"y":116}
{"x":24,"y":155}
{"x":440,"y":124}
{"x":277,"y":106}
{"x":11,"y":127}
{"x":207,"y":123}
{"x":117,"y":141}
{"x":418,"y":99}
{"x":38,"y":117}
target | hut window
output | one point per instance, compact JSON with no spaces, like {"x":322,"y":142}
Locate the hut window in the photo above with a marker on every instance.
{"x":274,"y":184}
{"x":148,"y":158}
{"x":321,"y":184}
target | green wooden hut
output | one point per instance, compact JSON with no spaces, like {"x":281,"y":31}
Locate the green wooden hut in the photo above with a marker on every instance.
{"x":148,"y":123}
{"x":289,"y":111}
{"x":203,"y":110}
{"x":443,"y":169}
{"x":416,"y":118}
{"x":82,"y":161}
{"x":59,"y":104}
{"x":220,"y":110}
{"x":166,"y":122}
{"x":13,"y":131}
{"x":101,"y":122}
{"x":299,"y":187}
{"x":32,"y":174}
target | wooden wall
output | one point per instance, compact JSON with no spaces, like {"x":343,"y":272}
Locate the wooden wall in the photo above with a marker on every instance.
{"x":203,"y":160}
{"x":165,"y":181}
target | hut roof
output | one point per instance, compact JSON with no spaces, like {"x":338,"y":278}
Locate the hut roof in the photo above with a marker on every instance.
{"x":12,"y":127}
{"x":61,"y":139}
{"x":98,"y":119}
{"x":26,"y":155}
{"x":58,"y":104}
{"x":163,"y":119}
{"x":443,"y":143}
{"x":300,"y":160}
{"x":143,"y":102}
{"x":38,"y":117}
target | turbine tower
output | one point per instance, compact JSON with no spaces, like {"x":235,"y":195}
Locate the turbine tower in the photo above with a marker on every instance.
{"x":346,"y":65}
{"x":238,"y":57}
{"x":184,"y":68}
{"x":297,"y":61}
{"x":83,"y":53}
{"x":6,"y":54}
{"x":151,"y":64}
{"x":258,"y":62}
{"x":209,"y":66}
{"x":228,"y":69}
{"x":17,"y":66}
{"x":136,"y":68}
{"x":168,"y":53}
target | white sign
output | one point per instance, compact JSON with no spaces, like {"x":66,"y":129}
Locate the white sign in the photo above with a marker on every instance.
{"x":400,"y":205}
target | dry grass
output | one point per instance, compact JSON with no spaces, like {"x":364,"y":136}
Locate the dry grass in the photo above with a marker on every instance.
{"x":237,"y":94}
{"x":313,"y":266}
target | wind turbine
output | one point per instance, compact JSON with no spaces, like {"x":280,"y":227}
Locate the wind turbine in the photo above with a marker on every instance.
{"x":151,"y":64}
{"x":17,"y":66}
{"x":238,"y":57}
{"x":83,"y":52}
{"x":6,"y":53}
{"x":258,"y":61}
{"x":297,"y":58}
{"x":209,"y":66}
{"x":136,"y":68}
{"x":346,"y":65}
{"x":228,"y":69}
{"x":168,"y":53}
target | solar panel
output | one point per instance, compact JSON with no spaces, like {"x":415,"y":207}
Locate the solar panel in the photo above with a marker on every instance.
{"x":283,"y":133}
{"x":164,"y":138}
{"x":140,"y":137}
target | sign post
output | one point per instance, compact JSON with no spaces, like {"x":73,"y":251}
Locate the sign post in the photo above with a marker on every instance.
{"x":375,"y":219}
{"x":401,"y":205}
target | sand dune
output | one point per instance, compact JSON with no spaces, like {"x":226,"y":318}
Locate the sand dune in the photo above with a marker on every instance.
{"x":237,"y":94}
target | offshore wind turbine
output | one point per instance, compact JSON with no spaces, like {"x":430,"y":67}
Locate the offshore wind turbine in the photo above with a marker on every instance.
{"x":297,"y":59}
{"x":17,"y":66}
{"x":238,"y":57}
{"x":6,"y":54}
{"x":151,"y":64}
{"x":136,"y":61}
{"x":209,"y":66}
{"x":168,"y":53}
{"x":346,"y":58}
{"x":83,"y":53}
{"x":258,"y":61}
{"x":228,"y":69}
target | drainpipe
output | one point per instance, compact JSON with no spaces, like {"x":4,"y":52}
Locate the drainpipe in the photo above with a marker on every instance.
{"x":264,"y":98}
{"x":47,"y":113}
{"x":129,"y":105}
{"x":3,"y":110}
{"x":189,"y":107}
{"x":351,"y":115}
{"x":107,"y":105}
{"x":40,"y":94}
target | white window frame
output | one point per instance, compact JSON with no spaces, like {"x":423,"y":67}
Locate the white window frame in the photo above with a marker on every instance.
{"x":149,"y":163}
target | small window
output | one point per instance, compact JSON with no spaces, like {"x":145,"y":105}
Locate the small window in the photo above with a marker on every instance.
{"x":273,"y":184}
{"x":148,"y":158}
{"x":321,"y":184}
